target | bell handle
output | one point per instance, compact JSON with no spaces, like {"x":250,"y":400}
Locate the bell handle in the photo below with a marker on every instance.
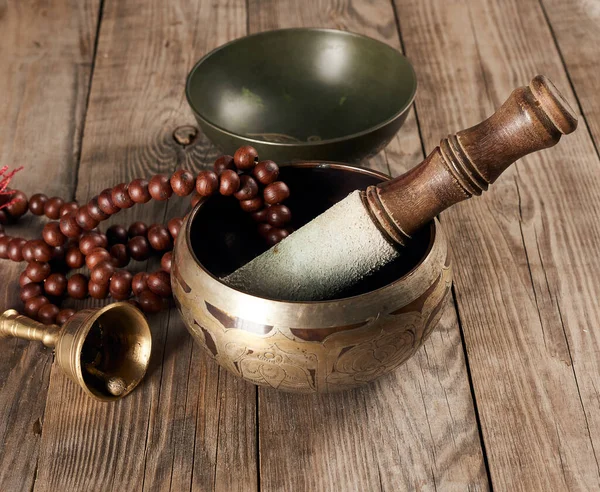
{"x":465,"y":164}
{"x":13,"y":324}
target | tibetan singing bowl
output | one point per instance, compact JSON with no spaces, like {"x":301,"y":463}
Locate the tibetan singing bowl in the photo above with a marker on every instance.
{"x":302,"y":94}
{"x":306,"y":347}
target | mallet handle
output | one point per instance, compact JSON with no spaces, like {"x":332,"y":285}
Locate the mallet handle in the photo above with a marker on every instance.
{"x":532,"y":118}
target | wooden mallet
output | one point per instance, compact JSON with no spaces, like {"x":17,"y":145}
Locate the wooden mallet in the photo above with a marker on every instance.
{"x":362,"y":233}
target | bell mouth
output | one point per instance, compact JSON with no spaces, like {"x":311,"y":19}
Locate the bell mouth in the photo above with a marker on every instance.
{"x":115,"y":351}
{"x":222,"y":238}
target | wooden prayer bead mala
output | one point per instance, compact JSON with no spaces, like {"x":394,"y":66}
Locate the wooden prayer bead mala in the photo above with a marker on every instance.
{"x":71,"y":240}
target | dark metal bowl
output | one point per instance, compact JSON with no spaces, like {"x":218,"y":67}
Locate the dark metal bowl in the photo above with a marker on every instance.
{"x":299,"y":94}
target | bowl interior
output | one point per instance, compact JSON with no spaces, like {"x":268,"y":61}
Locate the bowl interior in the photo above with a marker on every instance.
{"x":223,"y":237}
{"x":301,"y":85}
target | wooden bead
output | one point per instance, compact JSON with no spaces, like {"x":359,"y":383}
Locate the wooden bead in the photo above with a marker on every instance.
{"x":52,"y":235}
{"x":37,"y":203}
{"x":2,"y":233}
{"x":165,"y":261}
{"x":41,"y":251}
{"x":266,"y":172}
{"x":102,"y":272}
{"x":92,"y":240}
{"x":18,"y":205}
{"x":159,"y":237}
{"x":15,"y":249}
{"x":64,"y":315}
{"x":137,"y":229}
{"x":150,"y":302}
{"x":55,"y":284}
{"x":278,"y":215}
{"x":27,"y":251}
{"x":248,"y":188}
{"x":160,"y":187}
{"x":69,"y":226}
{"x":47,"y":314}
{"x":229,"y":182}
{"x":58,"y":252}
{"x":77,"y":286}
{"x":4,"y":240}
{"x":120,"y":196}
{"x":3,"y":217}
{"x":139,"y":248}
{"x":253,"y":205}
{"x":37,"y":271}
{"x":105,"y":202}
{"x":116,"y":234}
{"x":120,"y":255}
{"x":96,"y":256}
{"x":30,"y":290}
{"x":5,"y":196}
{"x":160,"y":283}
{"x":33,"y":305}
{"x":74,"y":257}
{"x":52,"y":207}
{"x":97,"y":291}
{"x":222,"y":163}
{"x":95,"y":211}
{"x":260,"y":215}
{"x":182,"y":182}
{"x":276,"y":193}
{"x":67,"y":208}
{"x":275,"y":235}
{"x":196,"y":197}
{"x":207,"y":183}
{"x":245,"y":158}
{"x":120,"y":285}
{"x":139,"y":283}
{"x":135,"y":304}
{"x":85,"y":220}
{"x":174,"y":226}
{"x":264,"y":229}
{"x":24,"y":280}
{"x":138,"y":191}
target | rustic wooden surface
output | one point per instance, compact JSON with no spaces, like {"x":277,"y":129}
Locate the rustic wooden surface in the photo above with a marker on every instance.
{"x":504,"y":393}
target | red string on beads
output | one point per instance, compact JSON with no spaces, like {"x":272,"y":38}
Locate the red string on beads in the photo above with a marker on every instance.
{"x":71,"y":240}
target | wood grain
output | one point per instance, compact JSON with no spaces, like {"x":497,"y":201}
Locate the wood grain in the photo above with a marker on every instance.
{"x":526,"y":257}
{"x":575,"y":26}
{"x":415,"y":427}
{"x":46,"y":57}
{"x":187,"y":426}
{"x":525,"y":253}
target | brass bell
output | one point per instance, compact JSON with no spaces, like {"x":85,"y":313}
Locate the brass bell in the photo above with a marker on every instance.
{"x":105,"y":351}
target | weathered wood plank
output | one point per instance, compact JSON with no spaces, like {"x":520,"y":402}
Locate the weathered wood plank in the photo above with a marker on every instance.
{"x":46,"y":57}
{"x":526,"y":253}
{"x":413,"y":429}
{"x":575,"y":26}
{"x":188,"y":426}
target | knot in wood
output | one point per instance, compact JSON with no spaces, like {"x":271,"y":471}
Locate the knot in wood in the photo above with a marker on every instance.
{"x":185,"y":135}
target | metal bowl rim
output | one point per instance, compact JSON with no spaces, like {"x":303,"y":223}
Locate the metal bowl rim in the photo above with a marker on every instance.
{"x":404,"y":108}
{"x":323,"y":165}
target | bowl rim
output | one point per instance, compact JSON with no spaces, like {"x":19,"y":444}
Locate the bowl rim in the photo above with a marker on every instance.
{"x":403,"y":109}
{"x":320,"y":165}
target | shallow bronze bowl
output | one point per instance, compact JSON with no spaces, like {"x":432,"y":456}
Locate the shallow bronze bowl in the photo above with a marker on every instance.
{"x":306,"y":346}
{"x":302,"y":94}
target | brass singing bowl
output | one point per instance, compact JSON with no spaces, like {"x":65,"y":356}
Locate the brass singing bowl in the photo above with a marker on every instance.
{"x":306,"y":347}
{"x":303,"y":93}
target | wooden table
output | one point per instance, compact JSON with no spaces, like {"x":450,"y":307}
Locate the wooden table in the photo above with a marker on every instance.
{"x":505,"y":391}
